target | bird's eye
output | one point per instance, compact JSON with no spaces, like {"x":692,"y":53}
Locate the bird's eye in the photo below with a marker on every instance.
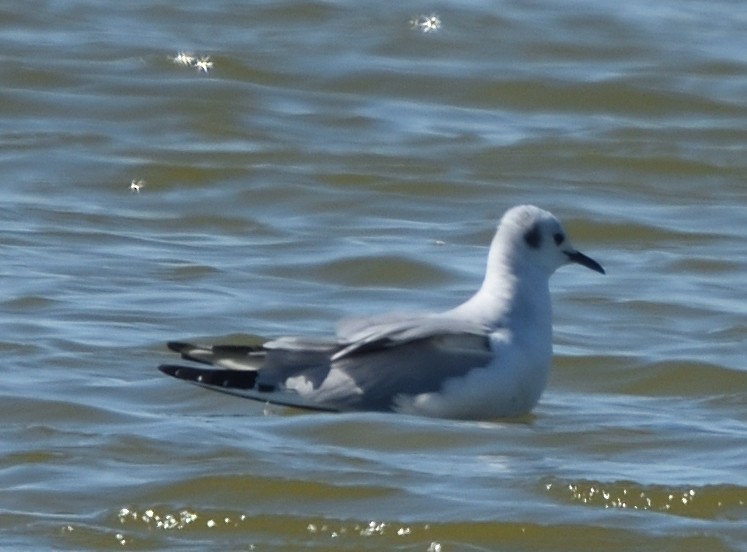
{"x":559,"y":238}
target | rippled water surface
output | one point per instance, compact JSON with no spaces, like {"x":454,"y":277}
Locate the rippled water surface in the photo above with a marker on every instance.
{"x":343,"y":158}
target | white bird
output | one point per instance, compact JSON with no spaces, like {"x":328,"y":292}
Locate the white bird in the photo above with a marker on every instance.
{"x":487,"y":358}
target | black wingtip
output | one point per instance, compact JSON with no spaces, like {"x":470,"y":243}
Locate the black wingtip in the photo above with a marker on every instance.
{"x":178,"y":346}
{"x":184,"y":348}
{"x":236,"y":379}
{"x":188,"y":373}
{"x":169,"y":369}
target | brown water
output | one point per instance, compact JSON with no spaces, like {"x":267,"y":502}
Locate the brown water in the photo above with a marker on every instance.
{"x":337,"y":161}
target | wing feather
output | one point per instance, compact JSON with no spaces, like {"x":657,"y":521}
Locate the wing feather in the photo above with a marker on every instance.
{"x":371,"y":363}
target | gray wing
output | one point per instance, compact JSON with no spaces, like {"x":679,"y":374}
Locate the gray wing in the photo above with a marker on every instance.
{"x":406,"y":368}
{"x":391,"y":330}
{"x":373,"y":361}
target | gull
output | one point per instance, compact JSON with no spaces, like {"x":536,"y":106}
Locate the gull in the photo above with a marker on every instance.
{"x":488,"y":358}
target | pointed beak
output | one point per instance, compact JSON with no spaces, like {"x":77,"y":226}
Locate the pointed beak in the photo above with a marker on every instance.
{"x":588,"y":262}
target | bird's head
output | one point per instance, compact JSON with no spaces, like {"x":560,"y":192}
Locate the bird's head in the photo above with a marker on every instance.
{"x":535,"y":237}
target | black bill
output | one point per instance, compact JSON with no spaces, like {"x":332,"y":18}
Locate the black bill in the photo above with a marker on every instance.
{"x":588,"y":262}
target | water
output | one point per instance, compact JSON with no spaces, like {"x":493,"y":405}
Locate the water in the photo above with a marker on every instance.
{"x":334,"y":161}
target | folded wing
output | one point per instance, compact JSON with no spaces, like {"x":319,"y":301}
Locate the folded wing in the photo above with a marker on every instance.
{"x":368,"y":366}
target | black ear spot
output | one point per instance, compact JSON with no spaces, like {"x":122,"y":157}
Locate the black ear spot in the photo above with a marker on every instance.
{"x":533,"y":237}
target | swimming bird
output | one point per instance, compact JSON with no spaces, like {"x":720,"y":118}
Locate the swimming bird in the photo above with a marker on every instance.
{"x":487,"y":358}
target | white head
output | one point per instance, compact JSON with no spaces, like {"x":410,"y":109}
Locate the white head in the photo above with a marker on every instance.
{"x":528,"y":235}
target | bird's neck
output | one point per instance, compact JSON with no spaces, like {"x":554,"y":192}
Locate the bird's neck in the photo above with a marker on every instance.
{"x":511,"y":295}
